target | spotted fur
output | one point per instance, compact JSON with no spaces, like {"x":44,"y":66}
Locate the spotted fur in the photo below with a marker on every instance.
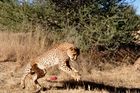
{"x":59,"y":55}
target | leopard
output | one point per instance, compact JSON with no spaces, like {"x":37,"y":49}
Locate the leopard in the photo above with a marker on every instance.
{"x":60,"y":55}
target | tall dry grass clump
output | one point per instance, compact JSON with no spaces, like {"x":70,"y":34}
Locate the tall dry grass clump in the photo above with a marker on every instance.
{"x":21,"y":47}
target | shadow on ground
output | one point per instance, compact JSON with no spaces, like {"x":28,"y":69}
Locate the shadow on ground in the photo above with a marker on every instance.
{"x":89,"y":85}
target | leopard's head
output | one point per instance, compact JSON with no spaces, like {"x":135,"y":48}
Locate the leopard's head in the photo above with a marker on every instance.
{"x":73,"y":53}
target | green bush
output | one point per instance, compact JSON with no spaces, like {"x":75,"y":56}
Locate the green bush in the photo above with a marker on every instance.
{"x":87,"y":22}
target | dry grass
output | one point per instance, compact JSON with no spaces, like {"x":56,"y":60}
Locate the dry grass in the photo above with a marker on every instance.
{"x":16,"y":49}
{"x":20,"y":47}
{"x":125,"y":77}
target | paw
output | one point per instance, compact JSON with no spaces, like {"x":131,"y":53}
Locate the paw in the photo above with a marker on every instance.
{"x":77,"y":76}
{"x":38,"y":89}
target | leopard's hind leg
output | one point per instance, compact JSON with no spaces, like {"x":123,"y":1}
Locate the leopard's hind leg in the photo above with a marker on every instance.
{"x":27,"y":71}
{"x":39,"y":73}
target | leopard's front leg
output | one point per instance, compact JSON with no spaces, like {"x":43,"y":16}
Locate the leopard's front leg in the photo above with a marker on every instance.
{"x":70,"y":70}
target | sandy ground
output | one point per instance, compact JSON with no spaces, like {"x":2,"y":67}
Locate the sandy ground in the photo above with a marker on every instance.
{"x":10,"y":82}
{"x":119,"y":80}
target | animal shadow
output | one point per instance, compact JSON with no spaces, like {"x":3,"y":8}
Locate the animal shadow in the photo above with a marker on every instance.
{"x":89,"y":85}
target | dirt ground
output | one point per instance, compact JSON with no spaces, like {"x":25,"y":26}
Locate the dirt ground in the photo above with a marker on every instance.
{"x":119,"y":80}
{"x":10,"y":82}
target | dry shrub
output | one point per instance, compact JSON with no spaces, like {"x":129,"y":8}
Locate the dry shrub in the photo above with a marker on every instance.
{"x":21,"y":47}
{"x":104,"y":60}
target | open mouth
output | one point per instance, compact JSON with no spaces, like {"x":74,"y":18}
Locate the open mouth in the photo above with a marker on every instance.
{"x":73,"y":59}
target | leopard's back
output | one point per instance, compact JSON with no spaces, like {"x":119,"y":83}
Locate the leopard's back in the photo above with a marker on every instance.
{"x":50,"y":58}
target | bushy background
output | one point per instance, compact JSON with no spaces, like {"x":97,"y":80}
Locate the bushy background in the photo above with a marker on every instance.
{"x":98,"y":27}
{"x":106,"y":31}
{"x":91,"y":22}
